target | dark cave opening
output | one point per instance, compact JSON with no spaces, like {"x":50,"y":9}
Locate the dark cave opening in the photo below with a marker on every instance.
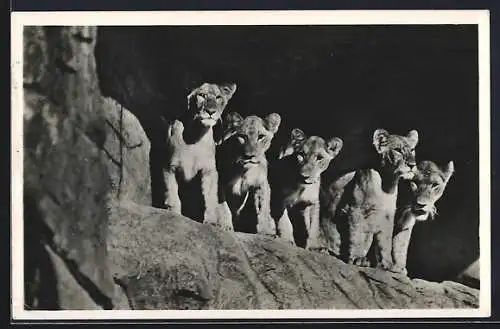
{"x":343,"y":81}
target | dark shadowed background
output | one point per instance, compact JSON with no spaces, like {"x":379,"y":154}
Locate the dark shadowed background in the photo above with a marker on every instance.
{"x":343,"y":81}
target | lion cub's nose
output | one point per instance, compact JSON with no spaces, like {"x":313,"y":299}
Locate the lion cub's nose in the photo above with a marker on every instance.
{"x":211,"y":110}
{"x":420,"y":205}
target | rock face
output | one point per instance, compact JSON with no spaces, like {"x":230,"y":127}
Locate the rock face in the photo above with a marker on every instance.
{"x":66,"y":181}
{"x":127,"y":151}
{"x":205,"y":268}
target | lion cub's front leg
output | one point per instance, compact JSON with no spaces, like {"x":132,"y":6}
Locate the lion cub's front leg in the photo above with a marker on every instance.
{"x":400,"y":243}
{"x":209,"y":185}
{"x":285,"y":229}
{"x":172,"y":200}
{"x":359,"y":241}
{"x":311,"y":219}
{"x":265,"y":222}
{"x":383,"y":241}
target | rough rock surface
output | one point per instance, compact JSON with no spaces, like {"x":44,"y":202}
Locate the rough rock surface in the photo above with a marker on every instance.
{"x":127,"y":151}
{"x":470,"y":276}
{"x":66,"y":181}
{"x":205,"y":268}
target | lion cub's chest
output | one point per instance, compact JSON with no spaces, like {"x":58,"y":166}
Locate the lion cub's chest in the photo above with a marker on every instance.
{"x":189,"y":159}
{"x":301,"y":195}
{"x":368,"y":201}
{"x":250,"y":180}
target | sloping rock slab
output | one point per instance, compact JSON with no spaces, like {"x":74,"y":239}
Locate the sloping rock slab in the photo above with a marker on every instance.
{"x":168,"y":261}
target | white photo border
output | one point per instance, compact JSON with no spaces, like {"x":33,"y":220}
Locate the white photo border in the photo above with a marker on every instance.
{"x":284,"y":17}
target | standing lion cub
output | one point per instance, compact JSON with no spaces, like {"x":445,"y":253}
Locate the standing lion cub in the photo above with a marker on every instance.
{"x":360,"y":205}
{"x":244,"y":169}
{"x":191,"y":151}
{"x":427,"y":187}
{"x":296,"y":182}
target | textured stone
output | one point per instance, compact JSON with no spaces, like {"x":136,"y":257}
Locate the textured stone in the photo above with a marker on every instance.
{"x":205,"y":268}
{"x":127,"y":150}
{"x":471,"y":276}
{"x":66,"y":182}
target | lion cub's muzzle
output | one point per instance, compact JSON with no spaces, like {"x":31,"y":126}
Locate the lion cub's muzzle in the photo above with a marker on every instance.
{"x":308,"y":179}
{"x":422,"y":211}
{"x":249,"y":161}
{"x":410,"y":170}
{"x":208,"y":114}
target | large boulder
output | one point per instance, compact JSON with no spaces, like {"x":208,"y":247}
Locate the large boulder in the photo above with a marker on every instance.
{"x":66,"y":181}
{"x":167,"y":261}
{"x":127,"y":152}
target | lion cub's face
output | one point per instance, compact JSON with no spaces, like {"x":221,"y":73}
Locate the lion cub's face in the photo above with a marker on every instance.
{"x":252,"y":136}
{"x":397,"y":152}
{"x":312,"y":155}
{"x":427,"y":187}
{"x":207,"y":102}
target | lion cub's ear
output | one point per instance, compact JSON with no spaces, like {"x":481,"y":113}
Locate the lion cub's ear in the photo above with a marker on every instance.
{"x":450,"y":169}
{"x":272,"y":122}
{"x":228,"y":89}
{"x":334,"y":145}
{"x":413,"y":138}
{"x":232,"y":121}
{"x":380,"y":138}
{"x":297,"y":136}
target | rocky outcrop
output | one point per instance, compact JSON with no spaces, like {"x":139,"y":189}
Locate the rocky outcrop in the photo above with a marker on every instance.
{"x":127,"y":151}
{"x":471,"y":276}
{"x":66,"y":181}
{"x":171,"y":262}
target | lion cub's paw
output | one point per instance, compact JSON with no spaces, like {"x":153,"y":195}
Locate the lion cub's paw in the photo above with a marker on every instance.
{"x":321,"y":250}
{"x":360,"y":261}
{"x":267,"y":230}
{"x":173,"y":207}
{"x":219,"y":225}
{"x":398,"y":269}
{"x":289,"y":242}
{"x":387,"y":266}
{"x":211,"y":220}
{"x":226,"y":227}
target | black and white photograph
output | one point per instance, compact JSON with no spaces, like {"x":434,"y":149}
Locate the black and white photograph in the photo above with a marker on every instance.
{"x":250,"y":165}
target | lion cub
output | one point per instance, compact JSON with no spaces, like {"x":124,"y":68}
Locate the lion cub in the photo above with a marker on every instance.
{"x":360,"y":206}
{"x":427,"y":187}
{"x":296,"y":182}
{"x":244,"y":168}
{"x":191,"y":150}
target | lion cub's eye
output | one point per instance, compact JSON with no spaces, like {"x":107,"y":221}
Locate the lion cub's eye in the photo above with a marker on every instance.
{"x":218,"y":98}
{"x":435,"y":185}
{"x":241,"y":139}
{"x":398,"y":150}
{"x":320,"y":157}
{"x":261,"y":137}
